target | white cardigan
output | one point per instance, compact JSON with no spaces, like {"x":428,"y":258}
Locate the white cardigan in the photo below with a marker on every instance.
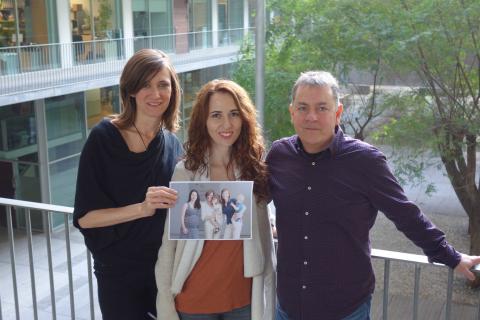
{"x":176,"y":259}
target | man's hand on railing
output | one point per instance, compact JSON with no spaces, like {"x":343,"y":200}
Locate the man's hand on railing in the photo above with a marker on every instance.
{"x":466,"y":264}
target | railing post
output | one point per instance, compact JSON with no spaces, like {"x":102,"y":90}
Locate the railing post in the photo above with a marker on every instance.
{"x":90,"y":285}
{"x":448,"y":306}
{"x":69,"y":269}
{"x":478,"y":312}
{"x":386,"y":278}
{"x":30,"y":258}
{"x":415,"y":291}
{"x":12,"y":261}
{"x":50,"y":263}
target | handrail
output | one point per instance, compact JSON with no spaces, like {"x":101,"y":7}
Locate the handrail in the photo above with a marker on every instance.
{"x":46,"y":210}
{"x":35,"y":205}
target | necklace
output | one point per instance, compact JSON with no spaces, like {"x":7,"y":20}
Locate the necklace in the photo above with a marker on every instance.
{"x":140,"y":135}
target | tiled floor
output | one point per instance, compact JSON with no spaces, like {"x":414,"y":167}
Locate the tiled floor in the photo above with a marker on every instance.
{"x":399,"y":306}
{"x":42,"y":279}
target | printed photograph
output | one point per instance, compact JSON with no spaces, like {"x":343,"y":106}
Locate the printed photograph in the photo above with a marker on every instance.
{"x":219,"y":210}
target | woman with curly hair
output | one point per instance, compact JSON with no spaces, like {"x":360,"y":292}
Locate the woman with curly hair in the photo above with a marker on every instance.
{"x":221,"y":279}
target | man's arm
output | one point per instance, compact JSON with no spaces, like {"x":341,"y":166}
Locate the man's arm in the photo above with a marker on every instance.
{"x":388,"y":196}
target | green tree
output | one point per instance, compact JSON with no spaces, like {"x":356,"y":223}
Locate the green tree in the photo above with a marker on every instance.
{"x":439,"y":41}
{"x":431,"y":48}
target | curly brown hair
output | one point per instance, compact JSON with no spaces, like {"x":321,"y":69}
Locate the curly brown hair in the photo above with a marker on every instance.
{"x":247,"y":152}
{"x":140,"y":69}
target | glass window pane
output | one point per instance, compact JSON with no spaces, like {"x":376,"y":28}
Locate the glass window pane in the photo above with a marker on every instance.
{"x":80,"y":17}
{"x":18,"y":133}
{"x":66,"y":132}
{"x":63,"y":177}
{"x":101,"y":102}
{"x":141,"y":24}
{"x":8,"y":25}
{"x":200,"y":24}
{"x":161,"y":24}
{"x":27,"y":187}
{"x":105,"y":19}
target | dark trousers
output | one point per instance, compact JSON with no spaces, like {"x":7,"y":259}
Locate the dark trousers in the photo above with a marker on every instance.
{"x":129,"y":295}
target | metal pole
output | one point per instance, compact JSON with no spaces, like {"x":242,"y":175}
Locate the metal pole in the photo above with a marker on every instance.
{"x":386,"y":277}
{"x":448,"y":306}
{"x":12,"y":261}
{"x":30,"y":257}
{"x":48,"y":237}
{"x":415,"y":291}
{"x":69,"y":263}
{"x":90,"y":285}
{"x":260,"y":61}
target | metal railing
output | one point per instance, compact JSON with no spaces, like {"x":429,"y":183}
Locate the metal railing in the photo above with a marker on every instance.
{"x":46,"y":210}
{"x":40,"y":66}
{"x":420,"y":262}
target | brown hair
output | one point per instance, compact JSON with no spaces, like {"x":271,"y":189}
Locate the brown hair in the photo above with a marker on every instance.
{"x":248,"y":150}
{"x":140,"y":69}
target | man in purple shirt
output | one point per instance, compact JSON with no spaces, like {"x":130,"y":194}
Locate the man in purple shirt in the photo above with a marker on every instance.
{"x":327,"y":189}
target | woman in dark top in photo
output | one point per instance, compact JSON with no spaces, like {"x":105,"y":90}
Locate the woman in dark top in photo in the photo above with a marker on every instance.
{"x":191,"y":216}
{"x":122,"y":195}
{"x":228,"y":211}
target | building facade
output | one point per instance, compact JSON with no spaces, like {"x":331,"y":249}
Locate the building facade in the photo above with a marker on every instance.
{"x":60,"y":63}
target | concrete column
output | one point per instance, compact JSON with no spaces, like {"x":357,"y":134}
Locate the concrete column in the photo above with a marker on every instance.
{"x":42,"y":143}
{"x":245,"y":17}
{"x":260,"y":60}
{"x":65,"y":33}
{"x":43,"y":167}
{"x":127,"y":11}
{"x":214,"y":23}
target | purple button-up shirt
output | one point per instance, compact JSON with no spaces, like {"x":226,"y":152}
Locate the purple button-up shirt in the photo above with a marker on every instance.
{"x":326,"y":205}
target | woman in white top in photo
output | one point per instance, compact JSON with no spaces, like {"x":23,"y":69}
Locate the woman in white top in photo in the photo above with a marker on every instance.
{"x":210,"y":210}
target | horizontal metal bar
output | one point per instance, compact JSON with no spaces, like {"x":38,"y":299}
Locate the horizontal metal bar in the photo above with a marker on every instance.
{"x":401,"y":256}
{"x":35,"y":205}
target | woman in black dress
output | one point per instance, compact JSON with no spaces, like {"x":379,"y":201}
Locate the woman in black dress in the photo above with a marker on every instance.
{"x":122,"y":194}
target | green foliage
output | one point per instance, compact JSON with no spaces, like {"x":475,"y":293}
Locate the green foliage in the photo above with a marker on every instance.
{"x":430,"y":47}
{"x":104,"y":16}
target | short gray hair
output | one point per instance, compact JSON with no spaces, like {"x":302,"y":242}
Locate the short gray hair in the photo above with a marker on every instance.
{"x":318,"y":78}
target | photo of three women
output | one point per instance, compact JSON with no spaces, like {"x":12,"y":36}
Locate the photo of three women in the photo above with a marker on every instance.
{"x":213,"y":215}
